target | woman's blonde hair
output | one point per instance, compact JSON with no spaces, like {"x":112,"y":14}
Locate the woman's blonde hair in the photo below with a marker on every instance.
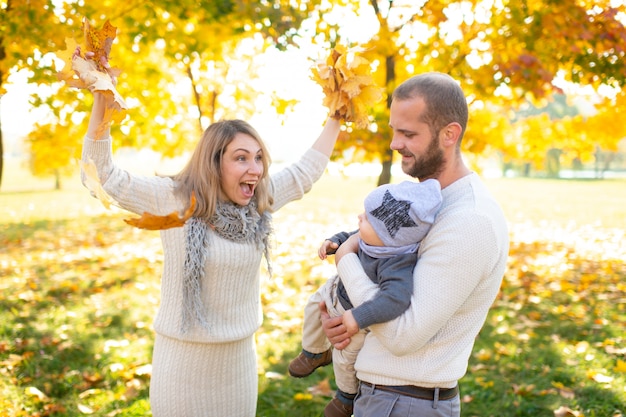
{"x":202,"y":173}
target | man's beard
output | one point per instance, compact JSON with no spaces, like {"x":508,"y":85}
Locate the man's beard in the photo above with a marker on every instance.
{"x":429,"y":165}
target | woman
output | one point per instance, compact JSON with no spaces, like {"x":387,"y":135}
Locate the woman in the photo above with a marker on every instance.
{"x":204,"y":358}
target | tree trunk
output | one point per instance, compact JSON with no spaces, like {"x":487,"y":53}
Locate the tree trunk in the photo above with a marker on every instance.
{"x":57,"y":179}
{"x":1,"y":155}
{"x":385,"y":173}
{"x":553,"y":163}
{"x":196,"y":96}
{"x":387,"y":160}
{"x":2,"y":57}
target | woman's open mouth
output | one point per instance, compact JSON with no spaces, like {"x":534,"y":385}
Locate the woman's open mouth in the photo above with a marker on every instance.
{"x":247,"y":188}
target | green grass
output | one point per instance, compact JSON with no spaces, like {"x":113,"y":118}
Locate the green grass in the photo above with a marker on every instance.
{"x":79,"y":289}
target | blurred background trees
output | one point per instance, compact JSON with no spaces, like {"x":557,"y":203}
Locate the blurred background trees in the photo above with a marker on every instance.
{"x":522,"y":63}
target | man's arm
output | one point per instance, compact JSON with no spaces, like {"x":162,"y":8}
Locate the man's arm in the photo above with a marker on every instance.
{"x":394,"y":279}
{"x":336,"y":331}
{"x":447,"y":273}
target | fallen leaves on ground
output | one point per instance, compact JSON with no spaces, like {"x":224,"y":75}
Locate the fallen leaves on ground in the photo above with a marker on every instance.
{"x":77,"y":297}
{"x":557,"y":318}
{"x":566,"y":412}
{"x":322,"y":388}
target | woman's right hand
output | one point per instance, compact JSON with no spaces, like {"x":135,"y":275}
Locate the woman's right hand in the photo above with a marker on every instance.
{"x":103,"y":61}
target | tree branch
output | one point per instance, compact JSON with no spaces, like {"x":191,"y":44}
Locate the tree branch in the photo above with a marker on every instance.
{"x":196,"y":96}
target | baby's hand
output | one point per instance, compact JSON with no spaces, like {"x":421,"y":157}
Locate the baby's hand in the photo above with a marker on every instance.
{"x":351,"y":325}
{"x":328,"y":248}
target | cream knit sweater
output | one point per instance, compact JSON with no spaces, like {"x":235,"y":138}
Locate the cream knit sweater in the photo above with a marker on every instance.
{"x":458,"y":274}
{"x":230,"y":292}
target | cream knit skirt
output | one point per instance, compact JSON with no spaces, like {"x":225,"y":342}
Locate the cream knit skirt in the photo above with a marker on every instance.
{"x":203,"y":380}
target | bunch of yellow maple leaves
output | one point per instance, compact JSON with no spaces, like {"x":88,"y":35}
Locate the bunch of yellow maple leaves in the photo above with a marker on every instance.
{"x":92,"y":73}
{"x":348,"y":85}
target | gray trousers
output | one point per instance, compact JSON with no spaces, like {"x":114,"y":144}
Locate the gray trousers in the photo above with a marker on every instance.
{"x":371,"y":402}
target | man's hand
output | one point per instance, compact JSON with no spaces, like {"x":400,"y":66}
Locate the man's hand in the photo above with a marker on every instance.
{"x":349,"y":246}
{"x":335,"y":330}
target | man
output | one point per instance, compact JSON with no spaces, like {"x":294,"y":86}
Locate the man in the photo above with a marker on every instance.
{"x":411,"y":366}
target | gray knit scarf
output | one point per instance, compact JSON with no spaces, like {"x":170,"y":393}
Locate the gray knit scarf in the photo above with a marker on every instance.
{"x":232,"y":222}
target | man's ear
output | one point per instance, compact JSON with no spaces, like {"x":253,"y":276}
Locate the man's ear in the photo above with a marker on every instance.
{"x":450,"y":134}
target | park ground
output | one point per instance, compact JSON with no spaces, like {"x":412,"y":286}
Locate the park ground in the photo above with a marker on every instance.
{"x":79,"y":289}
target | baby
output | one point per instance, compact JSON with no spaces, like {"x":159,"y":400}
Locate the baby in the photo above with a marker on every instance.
{"x":396,"y":218}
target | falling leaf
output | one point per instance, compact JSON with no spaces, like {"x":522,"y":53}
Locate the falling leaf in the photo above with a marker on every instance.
{"x":93,"y":184}
{"x":52,"y":409}
{"x":35,"y":392}
{"x":348,"y":85}
{"x":620,"y":366}
{"x":90,"y":392}
{"x":133,"y":387}
{"x":484,"y":382}
{"x":599,"y":377}
{"x":483,"y":355}
{"x":523,"y":389}
{"x":322,"y":388}
{"x":144,"y":370}
{"x":467,"y":399}
{"x":274,"y":375}
{"x":564,"y":391}
{"x":85,"y":409}
{"x":582,"y":347}
{"x":150,"y":221}
{"x":92,"y":378}
{"x":565,"y":412}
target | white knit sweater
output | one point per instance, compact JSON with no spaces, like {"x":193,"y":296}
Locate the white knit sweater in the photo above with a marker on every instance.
{"x":459,"y":270}
{"x":230,"y":291}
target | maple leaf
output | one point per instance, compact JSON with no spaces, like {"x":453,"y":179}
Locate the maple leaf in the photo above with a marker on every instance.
{"x":35,"y":392}
{"x":99,"y":41}
{"x":563,"y":411}
{"x":150,"y":221}
{"x":620,"y":366}
{"x":348,"y":86}
{"x":93,"y":184}
{"x":322,"y":388}
{"x":66,"y":73}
